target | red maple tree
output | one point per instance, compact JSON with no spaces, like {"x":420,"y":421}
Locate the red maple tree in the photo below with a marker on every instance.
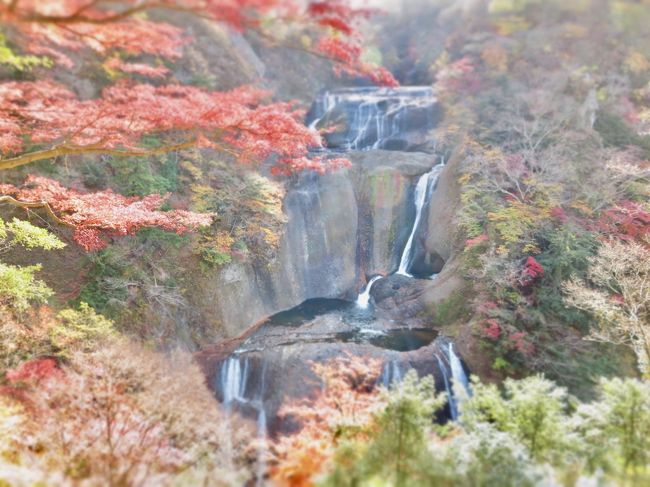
{"x":103,"y":212}
{"x":626,"y":221}
{"x":531,"y":272}
{"x":349,"y":396}
{"x":43,"y":119}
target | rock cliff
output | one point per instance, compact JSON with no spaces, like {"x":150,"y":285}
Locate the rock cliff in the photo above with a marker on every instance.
{"x":341,"y":228}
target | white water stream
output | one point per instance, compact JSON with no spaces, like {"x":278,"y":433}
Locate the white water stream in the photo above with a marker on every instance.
{"x":363,"y":300}
{"x":455,"y":379}
{"x":375,"y":116}
{"x":233,"y":380}
{"x":422,"y":191}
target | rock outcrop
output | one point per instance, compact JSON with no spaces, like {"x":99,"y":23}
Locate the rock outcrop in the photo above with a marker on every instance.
{"x":443,"y":213}
{"x":342,"y":227}
{"x":272,"y":363}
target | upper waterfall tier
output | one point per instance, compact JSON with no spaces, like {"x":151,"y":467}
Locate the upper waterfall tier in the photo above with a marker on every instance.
{"x":376,"y":118}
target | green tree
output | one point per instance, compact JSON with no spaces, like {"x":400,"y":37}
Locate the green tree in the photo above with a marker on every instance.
{"x":396,"y":450}
{"x":18,"y":285}
{"x":532,"y":410}
{"x":80,"y":328}
{"x":616,"y":430}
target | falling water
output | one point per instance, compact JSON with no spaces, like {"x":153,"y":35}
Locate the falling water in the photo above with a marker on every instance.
{"x":377,"y":118}
{"x":458,"y":374}
{"x":425,"y":182}
{"x":363,"y":300}
{"x":453,"y":409}
{"x":455,"y":379}
{"x":233,"y":379}
{"x":391,"y":372}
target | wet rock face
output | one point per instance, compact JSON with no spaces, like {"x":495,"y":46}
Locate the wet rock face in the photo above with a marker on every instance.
{"x":397,"y":119}
{"x":259,"y":373}
{"x":341,"y":228}
{"x":442,"y":219}
{"x":398,"y":298}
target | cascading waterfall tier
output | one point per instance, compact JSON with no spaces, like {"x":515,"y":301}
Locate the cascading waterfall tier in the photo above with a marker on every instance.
{"x":454,"y":378}
{"x":363,"y":300}
{"x":376,"y":118}
{"x":426,"y":183}
{"x":422,"y":192}
{"x":391,"y":372}
{"x":233,"y":379}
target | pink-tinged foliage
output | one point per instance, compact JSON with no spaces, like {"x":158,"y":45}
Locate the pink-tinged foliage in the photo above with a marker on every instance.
{"x":491,"y":329}
{"x":531,"y":273}
{"x":559,"y":214}
{"x":348,"y":55}
{"x":236,"y":120}
{"x":56,"y":26}
{"x":627,"y":221}
{"x":104,"y":212}
{"x":519,"y":342}
{"x":473,"y":242}
{"x":487,"y":307}
{"x":345,"y":45}
{"x":45,"y":113}
{"x":459,"y":77}
{"x":34,"y":371}
{"x":348,"y":395}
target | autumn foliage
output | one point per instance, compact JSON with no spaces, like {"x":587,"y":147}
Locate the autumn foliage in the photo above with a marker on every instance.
{"x":48,"y":113}
{"x":34,"y":371}
{"x":628,"y":221}
{"x":120,"y":415}
{"x":45,"y":120}
{"x":531,"y":272}
{"x":349,"y":397}
{"x":104,"y":212}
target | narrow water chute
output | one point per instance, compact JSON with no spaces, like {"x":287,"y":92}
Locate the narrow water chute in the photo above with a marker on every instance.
{"x":422,"y":190}
{"x":363,"y":300}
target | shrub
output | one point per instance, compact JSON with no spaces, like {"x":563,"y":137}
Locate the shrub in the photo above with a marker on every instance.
{"x":80,"y":328}
{"x":615,"y":132}
{"x":616,"y":429}
{"x":531,"y":410}
{"x":23,"y":233}
{"x":19,"y":288}
{"x":125,"y":416}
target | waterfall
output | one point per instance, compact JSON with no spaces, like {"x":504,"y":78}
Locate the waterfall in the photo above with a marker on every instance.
{"x":425,"y":182}
{"x":453,"y":410}
{"x":233,"y":379}
{"x":455,"y":379}
{"x":391,"y":372}
{"x":376,"y":118}
{"x":363,"y":300}
{"x":458,"y":373}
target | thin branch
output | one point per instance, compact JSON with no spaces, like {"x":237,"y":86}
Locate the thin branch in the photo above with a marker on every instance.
{"x":35,"y":204}
{"x":65,"y":150}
